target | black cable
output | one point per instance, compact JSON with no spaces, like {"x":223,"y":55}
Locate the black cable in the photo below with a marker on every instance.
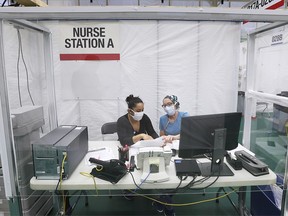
{"x":207,"y":185}
{"x":57,"y":193}
{"x":26,"y":70}
{"x":134,"y":181}
{"x":3,"y":3}
{"x":193,"y":182}
{"x":56,"y":189}
{"x":72,"y":207}
{"x":207,"y":179}
{"x":18,"y":70}
{"x":173,"y":191}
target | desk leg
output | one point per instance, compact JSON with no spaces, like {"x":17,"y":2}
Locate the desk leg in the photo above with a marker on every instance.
{"x":70,"y":208}
{"x":242,"y":200}
{"x":241,"y":208}
{"x":66,"y":208}
{"x":230,"y":200}
{"x":65,"y":202}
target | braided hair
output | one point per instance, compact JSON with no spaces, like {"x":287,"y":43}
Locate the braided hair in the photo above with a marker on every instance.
{"x":132,"y":101}
{"x":174,"y":100}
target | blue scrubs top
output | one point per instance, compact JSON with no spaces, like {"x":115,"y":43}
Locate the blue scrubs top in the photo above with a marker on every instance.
{"x":171,"y":128}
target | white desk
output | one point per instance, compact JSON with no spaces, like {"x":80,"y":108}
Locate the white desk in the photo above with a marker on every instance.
{"x":79,"y":182}
{"x":76,"y":181}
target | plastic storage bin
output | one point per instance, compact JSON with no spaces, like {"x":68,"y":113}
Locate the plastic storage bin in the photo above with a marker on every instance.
{"x":263,"y":199}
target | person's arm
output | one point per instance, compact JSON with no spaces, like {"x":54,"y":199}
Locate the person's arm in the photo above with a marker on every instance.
{"x":141,"y":136}
{"x":185,"y":114}
{"x":170,"y":138}
{"x":124,"y":131}
{"x":161,"y":125}
{"x":162,"y":133}
{"x":149,"y":127}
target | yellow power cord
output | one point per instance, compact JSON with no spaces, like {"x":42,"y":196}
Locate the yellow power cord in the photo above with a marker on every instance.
{"x":61,"y":179}
{"x":184,"y":204}
{"x":90,"y":176}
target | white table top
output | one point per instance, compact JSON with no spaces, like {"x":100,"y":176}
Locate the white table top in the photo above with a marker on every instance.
{"x":80,"y":182}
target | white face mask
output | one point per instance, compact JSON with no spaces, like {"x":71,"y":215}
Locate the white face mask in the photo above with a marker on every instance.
{"x":170,"y":110}
{"x":137,"y":115}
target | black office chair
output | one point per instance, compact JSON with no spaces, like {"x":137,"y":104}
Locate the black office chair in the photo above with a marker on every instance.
{"x":109,"y":128}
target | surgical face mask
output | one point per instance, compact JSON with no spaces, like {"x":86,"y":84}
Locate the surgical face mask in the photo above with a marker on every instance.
{"x":170,"y":110}
{"x":137,"y":115}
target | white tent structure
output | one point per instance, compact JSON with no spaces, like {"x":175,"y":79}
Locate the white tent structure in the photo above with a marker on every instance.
{"x":157,"y":58}
{"x":192,"y":53}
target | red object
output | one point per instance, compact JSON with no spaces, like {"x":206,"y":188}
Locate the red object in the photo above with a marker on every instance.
{"x":90,"y":57}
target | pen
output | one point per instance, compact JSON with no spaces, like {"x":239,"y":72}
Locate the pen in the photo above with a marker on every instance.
{"x":100,"y":149}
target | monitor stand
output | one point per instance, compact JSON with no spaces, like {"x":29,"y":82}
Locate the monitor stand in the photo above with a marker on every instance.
{"x":217,"y":167}
{"x":205,"y":169}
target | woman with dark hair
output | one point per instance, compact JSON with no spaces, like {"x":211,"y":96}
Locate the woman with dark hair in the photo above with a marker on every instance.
{"x":135,"y":125}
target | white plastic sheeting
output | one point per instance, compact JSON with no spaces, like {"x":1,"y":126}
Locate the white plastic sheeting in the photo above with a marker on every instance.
{"x":271,"y":71}
{"x":177,"y":3}
{"x":271,"y":51}
{"x":197,"y":61}
{"x":129,"y":2}
{"x":24,"y":62}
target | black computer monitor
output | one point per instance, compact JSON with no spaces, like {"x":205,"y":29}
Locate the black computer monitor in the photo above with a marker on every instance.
{"x":214,"y":133}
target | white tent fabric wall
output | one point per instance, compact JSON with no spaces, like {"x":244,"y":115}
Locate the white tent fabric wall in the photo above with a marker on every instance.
{"x":197,"y":61}
{"x":178,"y":64}
{"x":218,"y":67}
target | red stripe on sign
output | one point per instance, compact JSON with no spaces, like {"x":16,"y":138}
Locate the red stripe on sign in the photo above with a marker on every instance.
{"x":89,"y":57}
{"x":275,"y":6}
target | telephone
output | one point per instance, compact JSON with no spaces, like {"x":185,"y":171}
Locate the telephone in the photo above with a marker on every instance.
{"x":251,"y":163}
{"x":112,"y":170}
{"x":147,"y":152}
{"x":152,"y":161}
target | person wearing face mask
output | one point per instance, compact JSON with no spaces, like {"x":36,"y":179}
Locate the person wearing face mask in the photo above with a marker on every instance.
{"x":135,"y":125}
{"x":171,"y":122}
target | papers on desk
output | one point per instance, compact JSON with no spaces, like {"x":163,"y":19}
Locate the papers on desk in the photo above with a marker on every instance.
{"x":174,"y":144}
{"x":100,"y":154}
{"x":158,"y":142}
{"x":149,"y":143}
{"x":134,"y":149}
